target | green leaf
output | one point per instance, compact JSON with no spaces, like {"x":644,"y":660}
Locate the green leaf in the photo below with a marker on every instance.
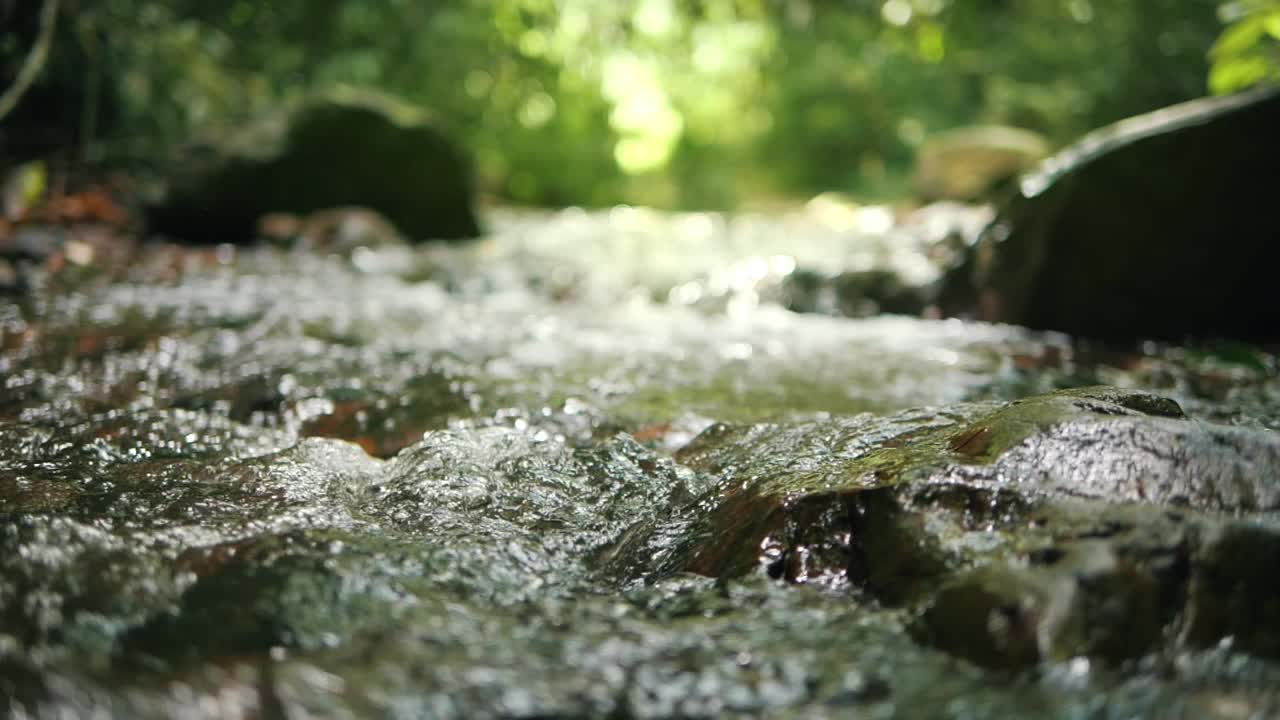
{"x":1238,"y":73}
{"x":930,"y":43}
{"x":23,"y":188}
{"x":1240,"y":38}
{"x":1271,"y":21}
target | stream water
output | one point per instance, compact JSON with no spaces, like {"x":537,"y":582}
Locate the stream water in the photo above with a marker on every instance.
{"x":404,"y":482}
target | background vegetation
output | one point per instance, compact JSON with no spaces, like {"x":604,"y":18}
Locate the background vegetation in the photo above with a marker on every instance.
{"x":680,"y":103}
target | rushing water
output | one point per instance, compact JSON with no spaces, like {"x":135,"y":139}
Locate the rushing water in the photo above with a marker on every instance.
{"x":395,"y":482}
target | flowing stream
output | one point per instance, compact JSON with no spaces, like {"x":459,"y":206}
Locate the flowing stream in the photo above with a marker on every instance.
{"x":407,"y":482}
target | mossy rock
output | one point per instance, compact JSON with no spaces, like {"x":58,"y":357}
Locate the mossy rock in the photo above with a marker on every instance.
{"x":344,"y":148}
{"x":1060,"y":525}
{"x":1160,"y":226}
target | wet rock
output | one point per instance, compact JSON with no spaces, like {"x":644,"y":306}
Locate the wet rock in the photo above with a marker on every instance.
{"x":336,"y":230}
{"x":1158,"y":226}
{"x":1118,"y":446}
{"x":1104,"y":590}
{"x":968,"y":163}
{"x":855,"y":294}
{"x":1060,"y":525}
{"x":994,"y":619}
{"x":345,"y":148}
{"x":1235,"y":592}
{"x":1156,"y":460}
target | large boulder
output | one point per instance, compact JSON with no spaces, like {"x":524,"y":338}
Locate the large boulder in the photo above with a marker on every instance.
{"x":344,"y":148}
{"x":1162,"y":225}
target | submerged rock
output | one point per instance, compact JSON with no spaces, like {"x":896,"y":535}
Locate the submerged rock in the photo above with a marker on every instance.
{"x":341,"y":149}
{"x":1161,"y":225}
{"x":855,"y":294}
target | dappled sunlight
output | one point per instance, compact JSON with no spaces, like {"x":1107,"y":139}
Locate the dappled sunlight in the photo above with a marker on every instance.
{"x":701,"y":106}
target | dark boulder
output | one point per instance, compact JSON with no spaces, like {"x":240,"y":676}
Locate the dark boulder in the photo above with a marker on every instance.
{"x":346,"y":148}
{"x":1160,"y":226}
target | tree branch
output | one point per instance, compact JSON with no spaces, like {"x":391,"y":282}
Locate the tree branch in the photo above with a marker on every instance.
{"x":34,"y":63}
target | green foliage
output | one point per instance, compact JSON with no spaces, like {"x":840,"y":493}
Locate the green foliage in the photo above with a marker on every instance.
{"x":1248,"y":52}
{"x":915,"y":67}
{"x":670,"y":102}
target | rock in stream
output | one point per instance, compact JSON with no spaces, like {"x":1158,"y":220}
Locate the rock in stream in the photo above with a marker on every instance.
{"x":343,"y":147}
{"x":1159,"y":226}
{"x":1085,"y":523}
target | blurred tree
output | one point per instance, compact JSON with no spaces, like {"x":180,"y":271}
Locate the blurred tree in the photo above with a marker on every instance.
{"x":34,"y":62}
{"x":695,"y":103}
{"x":52,"y":98}
{"x":866,"y":80}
